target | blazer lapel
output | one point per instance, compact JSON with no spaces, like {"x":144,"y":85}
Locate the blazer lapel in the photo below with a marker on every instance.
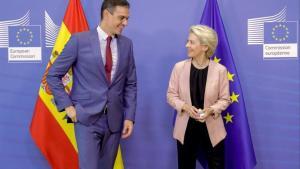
{"x":95,"y":43}
{"x":185,"y":79}
{"x":208,"y":81}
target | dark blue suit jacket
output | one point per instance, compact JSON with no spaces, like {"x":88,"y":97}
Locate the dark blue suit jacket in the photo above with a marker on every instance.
{"x":91,"y":91}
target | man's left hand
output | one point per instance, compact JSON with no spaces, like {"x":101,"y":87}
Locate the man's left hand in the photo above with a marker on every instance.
{"x":127,"y":129}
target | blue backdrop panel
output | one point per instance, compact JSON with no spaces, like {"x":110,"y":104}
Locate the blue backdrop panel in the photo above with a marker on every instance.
{"x":159,"y":30}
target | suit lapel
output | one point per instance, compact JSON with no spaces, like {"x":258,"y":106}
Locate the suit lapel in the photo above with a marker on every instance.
{"x":95,"y":43}
{"x":186,"y":80}
{"x":208,"y":81}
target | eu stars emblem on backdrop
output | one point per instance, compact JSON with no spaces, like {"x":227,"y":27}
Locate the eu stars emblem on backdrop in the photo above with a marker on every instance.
{"x":280,"y":40}
{"x":24,"y":43}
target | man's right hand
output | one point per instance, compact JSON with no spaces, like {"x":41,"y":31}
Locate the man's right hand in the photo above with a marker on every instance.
{"x":71,"y":113}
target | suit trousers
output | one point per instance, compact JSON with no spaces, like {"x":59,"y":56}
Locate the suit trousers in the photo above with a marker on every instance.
{"x":97,"y":145}
{"x":197,"y":145}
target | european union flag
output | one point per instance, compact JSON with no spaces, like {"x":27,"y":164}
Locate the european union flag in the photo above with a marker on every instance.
{"x":239,"y":152}
{"x":24,"y":36}
{"x":280,"y":32}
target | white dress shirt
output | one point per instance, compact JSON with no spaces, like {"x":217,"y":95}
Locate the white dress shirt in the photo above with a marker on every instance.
{"x":114,"y":49}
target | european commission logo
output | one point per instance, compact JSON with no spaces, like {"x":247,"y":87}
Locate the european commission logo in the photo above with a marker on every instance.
{"x":24,"y":43}
{"x":278,"y":36}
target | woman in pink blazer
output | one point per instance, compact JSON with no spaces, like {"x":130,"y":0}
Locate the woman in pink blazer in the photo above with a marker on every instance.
{"x":199,"y":91}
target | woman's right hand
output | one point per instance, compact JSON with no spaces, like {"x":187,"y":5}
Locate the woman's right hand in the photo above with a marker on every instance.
{"x":191,"y":110}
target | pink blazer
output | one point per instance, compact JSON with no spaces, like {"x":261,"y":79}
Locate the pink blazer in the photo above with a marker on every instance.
{"x":216,"y":96}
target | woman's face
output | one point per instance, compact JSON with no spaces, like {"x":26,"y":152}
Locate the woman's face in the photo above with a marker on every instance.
{"x":194,"y":48}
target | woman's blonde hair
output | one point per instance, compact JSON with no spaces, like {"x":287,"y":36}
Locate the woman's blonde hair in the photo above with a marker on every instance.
{"x":207,"y":36}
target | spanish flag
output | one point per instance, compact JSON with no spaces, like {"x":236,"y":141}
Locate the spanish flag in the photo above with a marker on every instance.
{"x":49,"y":128}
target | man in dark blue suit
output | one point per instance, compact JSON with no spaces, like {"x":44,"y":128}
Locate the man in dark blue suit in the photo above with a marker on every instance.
{"x":102,"y":102}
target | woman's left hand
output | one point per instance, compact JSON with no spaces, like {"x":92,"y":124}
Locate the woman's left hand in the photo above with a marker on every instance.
{"x":212,"y":112}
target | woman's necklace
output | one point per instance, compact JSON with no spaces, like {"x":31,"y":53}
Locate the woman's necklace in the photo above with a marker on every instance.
{"x":200,"y":66}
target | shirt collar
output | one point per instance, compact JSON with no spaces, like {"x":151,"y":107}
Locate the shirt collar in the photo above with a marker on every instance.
{"x":102,"y":35}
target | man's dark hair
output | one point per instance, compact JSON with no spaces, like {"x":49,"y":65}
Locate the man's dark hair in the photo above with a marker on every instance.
{"x":110,"y":5}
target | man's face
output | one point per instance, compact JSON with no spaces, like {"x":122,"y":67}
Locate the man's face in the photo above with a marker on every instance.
{"x":117,"y":19}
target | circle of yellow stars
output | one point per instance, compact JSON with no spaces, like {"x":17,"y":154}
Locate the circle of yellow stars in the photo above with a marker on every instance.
{"x":281,"y":27}
{"x":24,"y":32}
{"x":234,"y":97}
